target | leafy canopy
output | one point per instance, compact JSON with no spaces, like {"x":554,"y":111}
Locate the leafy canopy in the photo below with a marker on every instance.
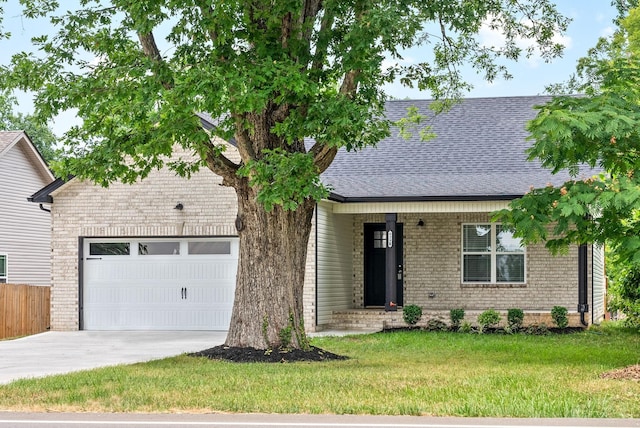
{"x":273,"y":72}
{"x":40,"y":134}
{"x":600,"y":129}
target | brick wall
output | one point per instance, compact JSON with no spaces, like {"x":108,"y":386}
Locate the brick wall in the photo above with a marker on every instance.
{"x":432,"y":269}
{"x":146,"y":208}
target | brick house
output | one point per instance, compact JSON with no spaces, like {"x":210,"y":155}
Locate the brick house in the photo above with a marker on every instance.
{"x":407,"y":222}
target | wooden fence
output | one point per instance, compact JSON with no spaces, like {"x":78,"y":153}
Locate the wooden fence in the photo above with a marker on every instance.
{"x":24,"y":310}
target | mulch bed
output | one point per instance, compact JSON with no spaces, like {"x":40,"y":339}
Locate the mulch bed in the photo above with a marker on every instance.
{"x":631,"y":373}
{"x":253,"y":355}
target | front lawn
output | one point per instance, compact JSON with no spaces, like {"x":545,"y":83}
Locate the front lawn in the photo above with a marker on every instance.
{"x":408,"y":373}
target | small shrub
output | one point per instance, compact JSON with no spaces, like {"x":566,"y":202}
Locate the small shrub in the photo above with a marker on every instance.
{"x":465,"y":327}
{"x":456,"y":315}
{"x":559,"y":315}
{"x":436,"y":325}
{"x":411,"y":314}
{"x":515,"y":317}
{"x":537,"y":329}
{"x":488,"y":318}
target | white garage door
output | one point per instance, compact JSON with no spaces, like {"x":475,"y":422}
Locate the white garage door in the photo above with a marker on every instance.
{"x":159,"y":284}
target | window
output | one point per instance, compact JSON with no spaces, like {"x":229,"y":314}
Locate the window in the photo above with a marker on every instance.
{"x":158,"y":248}
{"x":491,"y":254}
{"x":380,"y":239}
{"x":3,"y":268}
{"x":109,"y":249}
{"x":208,"y":247}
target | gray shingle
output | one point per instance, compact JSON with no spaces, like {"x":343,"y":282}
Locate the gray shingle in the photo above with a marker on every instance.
{"x":478,"y":152}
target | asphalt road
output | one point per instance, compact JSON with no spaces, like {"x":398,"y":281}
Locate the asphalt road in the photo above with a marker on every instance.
{"x":119,"y":420}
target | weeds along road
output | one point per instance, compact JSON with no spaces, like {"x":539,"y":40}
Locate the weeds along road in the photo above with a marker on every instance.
{"x":119,"y":420}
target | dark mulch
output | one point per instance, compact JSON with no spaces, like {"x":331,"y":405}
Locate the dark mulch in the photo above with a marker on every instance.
{"x":253,"y":355}
{"x":532,"y":330}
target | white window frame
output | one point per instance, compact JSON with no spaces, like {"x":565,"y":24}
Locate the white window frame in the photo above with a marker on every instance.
{"x":5,"y":279}
{"x":493,"y":253}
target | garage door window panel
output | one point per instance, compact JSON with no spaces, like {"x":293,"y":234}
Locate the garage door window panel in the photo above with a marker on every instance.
{"x":109,"y":249}
{"x":159,"y":248}
{"x":209,"y":247}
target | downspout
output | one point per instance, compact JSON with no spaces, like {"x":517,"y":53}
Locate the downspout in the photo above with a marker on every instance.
{"x":44,"y":209}
{"x":583,"y":304}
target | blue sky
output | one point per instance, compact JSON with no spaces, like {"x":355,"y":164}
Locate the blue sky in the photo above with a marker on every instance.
{"x":591,"y":20}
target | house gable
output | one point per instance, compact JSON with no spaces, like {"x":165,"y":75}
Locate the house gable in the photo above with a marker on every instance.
{"x":25,"y":230}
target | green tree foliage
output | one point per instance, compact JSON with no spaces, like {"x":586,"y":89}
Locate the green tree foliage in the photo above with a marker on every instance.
{"x":275,"y":73}
{"x":40,"y":134}
{"x":599,"y":129}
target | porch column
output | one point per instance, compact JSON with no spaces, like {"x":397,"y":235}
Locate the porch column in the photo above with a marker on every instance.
{"x":390,"y":268}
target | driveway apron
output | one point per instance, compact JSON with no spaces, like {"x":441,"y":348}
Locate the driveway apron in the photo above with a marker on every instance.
{"x":57,"y":352}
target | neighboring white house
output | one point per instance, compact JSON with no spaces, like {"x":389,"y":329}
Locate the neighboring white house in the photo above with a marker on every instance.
{"x":162,"y":253}
{"x":25,"y":229}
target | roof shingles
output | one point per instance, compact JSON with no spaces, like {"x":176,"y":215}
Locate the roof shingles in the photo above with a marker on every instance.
{"x":478,"y":152}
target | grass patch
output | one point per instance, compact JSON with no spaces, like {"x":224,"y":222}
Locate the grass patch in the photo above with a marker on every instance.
{"x":401,"y":373}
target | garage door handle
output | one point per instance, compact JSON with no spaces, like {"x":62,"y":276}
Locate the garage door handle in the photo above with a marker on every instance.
{"x":182,"y":293}
{"x":185,"y":292}
{"x":94,"y":258}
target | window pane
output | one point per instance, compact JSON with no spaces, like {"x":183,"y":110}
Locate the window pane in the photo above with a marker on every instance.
{"x":379,"y":239}
{"x":3,"y":266}
{"x":109,"y":249}
{"x":158,"y":248}
{"x":510,"y":268}
{"x":506,"y":242}
{"x":477,"y":238}
{"x":223,"y":247}
{"x":477,"y":268}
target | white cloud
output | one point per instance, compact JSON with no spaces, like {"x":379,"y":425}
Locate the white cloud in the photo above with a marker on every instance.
{"x":607,"y":31}
{"x":491,"y":37}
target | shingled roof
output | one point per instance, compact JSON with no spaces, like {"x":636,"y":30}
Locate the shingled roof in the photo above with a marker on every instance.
{"x":478,"y":154}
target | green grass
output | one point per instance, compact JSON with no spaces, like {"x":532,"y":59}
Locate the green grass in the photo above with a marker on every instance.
{"x":408,"y":373}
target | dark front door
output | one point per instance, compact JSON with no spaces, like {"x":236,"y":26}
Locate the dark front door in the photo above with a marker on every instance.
{"x":375,"y":247}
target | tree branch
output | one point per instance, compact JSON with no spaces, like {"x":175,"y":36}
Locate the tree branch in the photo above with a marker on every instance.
{"x":222,"y":166}
{"x":206,"y":10}
{"x":243,"y":140}
{"x":150,"y":49}
{"x":323,"y":155}
{"x":322,"y":44}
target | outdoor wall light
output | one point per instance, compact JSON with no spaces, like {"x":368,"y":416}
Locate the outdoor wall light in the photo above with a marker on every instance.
{"x":420,"y":223}
{"x":178,"y":206}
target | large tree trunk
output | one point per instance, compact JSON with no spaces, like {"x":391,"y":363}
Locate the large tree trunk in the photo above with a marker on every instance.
{"x":267,"y":311}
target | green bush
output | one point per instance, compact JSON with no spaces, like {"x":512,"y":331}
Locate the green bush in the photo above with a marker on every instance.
{"x":624,"y":294}
{"x":436,"y":325}
{"x":465,"y":327}
{"x":488,"y":318}
{"x":537,"y":329}
{"x":456,"y":315}
{"x":515,"y":317}
{"x":559,"y":315}
{"x":411,"y":314}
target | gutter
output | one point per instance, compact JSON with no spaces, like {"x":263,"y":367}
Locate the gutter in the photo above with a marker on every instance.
{"x":438,"y":198}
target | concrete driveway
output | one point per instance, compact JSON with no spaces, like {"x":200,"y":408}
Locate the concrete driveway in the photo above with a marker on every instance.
{"x":57,"y":352}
